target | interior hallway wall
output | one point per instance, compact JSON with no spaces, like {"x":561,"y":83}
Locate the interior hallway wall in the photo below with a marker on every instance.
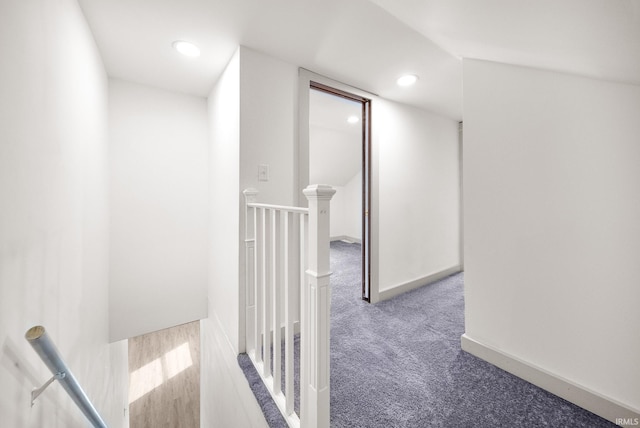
{"x":54,"y":238}
{"x":223,"y":292}
{"x":159,"y":223}
{"x":337,"y":214}
{"x":418,"y":195}
{"x":346,"y":210}
{"x":552,"y":235}
{"x":353,"y":207}
{"x":268,"y":115}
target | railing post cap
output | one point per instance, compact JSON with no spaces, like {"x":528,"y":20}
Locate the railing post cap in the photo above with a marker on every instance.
{"x":250,"y":191}
{"x":319,"y":191}
{"x":250,"y":195}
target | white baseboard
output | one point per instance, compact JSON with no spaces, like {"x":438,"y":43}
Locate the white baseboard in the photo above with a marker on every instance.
{"x":346,"y":238}
{"x":605,"y":407}
{"x":416,"y":283}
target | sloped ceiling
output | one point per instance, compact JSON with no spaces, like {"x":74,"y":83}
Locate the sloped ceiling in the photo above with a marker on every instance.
{"x":368,"y":44}
{"x":335,"y":145}
{"x":595,"y":38}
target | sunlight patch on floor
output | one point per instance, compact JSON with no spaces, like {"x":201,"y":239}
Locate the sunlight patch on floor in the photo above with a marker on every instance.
{"x":152,"y":375}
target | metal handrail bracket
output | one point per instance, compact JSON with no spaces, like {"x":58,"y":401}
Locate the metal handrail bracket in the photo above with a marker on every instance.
{"x":46,"y":349}
{"x":37,"y":391}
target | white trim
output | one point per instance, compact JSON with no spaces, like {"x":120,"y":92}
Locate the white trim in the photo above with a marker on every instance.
{"x":396,"y":290}
{"x":346,"y":238}
{"x":605,"y":407}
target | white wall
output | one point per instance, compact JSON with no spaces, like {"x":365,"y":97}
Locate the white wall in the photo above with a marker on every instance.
{"x":268,"y":94}
{"x":353,"y":207}
{"x":54,"y":215}
{"x":335,"y":155}
{"x":346,"y":210}
{"x":336,"y":215}
{"x":224,"y":125}
{"x":224,"y":199}
{"x":159,"y":208}
{"x":551,"y":223}
{"x":418,"y":179}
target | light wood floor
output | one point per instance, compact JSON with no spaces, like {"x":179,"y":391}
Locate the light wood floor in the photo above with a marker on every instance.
{"x":164,"y":376}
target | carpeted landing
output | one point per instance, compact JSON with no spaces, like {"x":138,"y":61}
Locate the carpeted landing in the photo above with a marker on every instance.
{"x":399,"y":364}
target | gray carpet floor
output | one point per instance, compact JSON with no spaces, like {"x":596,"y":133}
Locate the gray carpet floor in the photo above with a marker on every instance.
{"x":399,"y":364}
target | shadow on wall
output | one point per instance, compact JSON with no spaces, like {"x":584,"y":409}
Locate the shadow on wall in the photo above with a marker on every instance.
{"x":27,"y":378}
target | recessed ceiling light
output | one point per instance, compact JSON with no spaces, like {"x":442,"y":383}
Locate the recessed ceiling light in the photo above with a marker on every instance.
{"x":353,"y":119}
{"x":407,"y":80}
{"x":186,"y":48}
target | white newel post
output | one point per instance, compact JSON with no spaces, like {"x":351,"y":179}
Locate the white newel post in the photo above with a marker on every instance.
{"x":316,"y":307}
{"x":250,"y":196}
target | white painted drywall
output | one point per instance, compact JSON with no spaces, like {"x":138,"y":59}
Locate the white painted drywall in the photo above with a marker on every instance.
{"x":337,"y":228}
{"x":352,"y":219}
{"x":268,"y":92}
{"x":159,"y":193}
{"x":346,"y":210}
{"x":224,"y":125}
{"x":418,"y":178}
{"x":335,"y":155}
{"x":54,"y":215}
{"x":224,"y":199}
{"x":335,"y":158}
{"x":551,"y":223}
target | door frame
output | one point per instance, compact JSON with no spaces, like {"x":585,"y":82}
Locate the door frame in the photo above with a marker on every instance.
{"x":307,"y":81}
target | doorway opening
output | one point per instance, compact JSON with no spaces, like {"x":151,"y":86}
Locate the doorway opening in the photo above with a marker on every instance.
{"x":340,"y":155}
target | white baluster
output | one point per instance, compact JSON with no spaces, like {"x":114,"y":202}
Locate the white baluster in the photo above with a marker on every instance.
{"x":259,"y":282}
{"x":290,"y":304}
{"x":304,"y":366}
{"x":276,"y":284}
{"x":250,"y":196}
{"x":266,"y":293}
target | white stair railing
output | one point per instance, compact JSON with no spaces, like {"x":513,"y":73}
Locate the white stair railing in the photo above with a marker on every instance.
{"x":287,"y":274}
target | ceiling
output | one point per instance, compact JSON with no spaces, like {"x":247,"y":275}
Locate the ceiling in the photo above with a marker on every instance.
{"x":368,"y":43}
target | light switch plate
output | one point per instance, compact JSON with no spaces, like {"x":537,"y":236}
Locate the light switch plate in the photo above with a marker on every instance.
{"x":263,"y":172}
